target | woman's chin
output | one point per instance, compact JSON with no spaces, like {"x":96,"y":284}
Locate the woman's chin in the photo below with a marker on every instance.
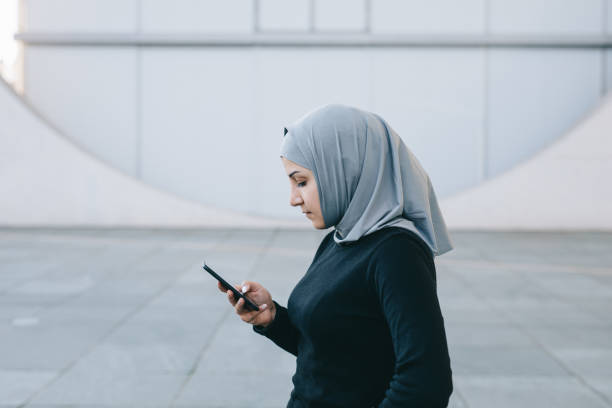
{"x":318,"y":225}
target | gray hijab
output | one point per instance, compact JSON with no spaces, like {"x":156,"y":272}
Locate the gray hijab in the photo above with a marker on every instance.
{"x":366,"y":176}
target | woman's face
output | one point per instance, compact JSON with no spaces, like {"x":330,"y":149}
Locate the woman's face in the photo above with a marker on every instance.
{"x":304,"y":192}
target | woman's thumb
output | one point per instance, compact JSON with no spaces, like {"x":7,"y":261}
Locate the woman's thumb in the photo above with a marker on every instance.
{"x":246,"y":286}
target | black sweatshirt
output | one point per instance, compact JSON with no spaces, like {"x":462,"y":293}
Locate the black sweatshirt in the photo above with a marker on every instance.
{"x":366,"y":326}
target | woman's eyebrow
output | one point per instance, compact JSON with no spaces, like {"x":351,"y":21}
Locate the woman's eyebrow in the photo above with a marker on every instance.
{"x":297,"y":171}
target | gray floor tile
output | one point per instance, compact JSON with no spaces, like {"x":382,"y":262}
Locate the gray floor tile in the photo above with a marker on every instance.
{"x":602,"y":385}
{"x":587,"y":361}
{"x":17,"y":385}
{"x":250,"y":388}
{"x":84,"y":385}
{"x":504,"y":360}
{"x":126,"y":317}
{"x":528,"y":392}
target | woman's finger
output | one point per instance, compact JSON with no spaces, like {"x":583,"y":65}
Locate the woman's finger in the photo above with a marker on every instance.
{"x":240,"y":309}
{"x":247,"y":316}
{"x":251,"y":317}
{"x":230,"y":297}
{"x":245,"y":287}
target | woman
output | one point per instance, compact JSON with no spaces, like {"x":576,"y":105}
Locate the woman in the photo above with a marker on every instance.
{"x":364,"y":321}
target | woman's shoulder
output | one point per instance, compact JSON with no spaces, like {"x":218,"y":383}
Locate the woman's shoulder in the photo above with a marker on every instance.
{"x":401,"y":242}
{"x":395,"y":252}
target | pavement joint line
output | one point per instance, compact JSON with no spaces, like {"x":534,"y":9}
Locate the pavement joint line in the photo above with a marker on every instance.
{"x":112,"y":329}
{"x":221,"y":320}
{"x":511,"y":322}
{"x":579,"y":306}
{"x":190,"y":372}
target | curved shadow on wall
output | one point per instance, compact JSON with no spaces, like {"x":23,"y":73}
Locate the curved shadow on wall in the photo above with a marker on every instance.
{"x":563,"y":186}
{"x":152,"y":206}
{"x":42,"y":162}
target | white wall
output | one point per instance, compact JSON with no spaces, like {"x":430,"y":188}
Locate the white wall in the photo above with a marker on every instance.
{"x":608,"y":64}
{"x":608,"y":54}
{"x":546,"y":16}
{"x":46,"y":180}
{"x":564,"y":187}
{"x":198,"y":125}
{"x":92,"y":95}
{"x":205,"y":122}
{"x":284,"y":15}
{"x":196,"y":16}
{"x":437,"y":111}
{"x":608,"y":6}
{"x":534,"y":96}
{"x":340,"y":15}
{"x":90,"y":16}
{"x":429,"y":17}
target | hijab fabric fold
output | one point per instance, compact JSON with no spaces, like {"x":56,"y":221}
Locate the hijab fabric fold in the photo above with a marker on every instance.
{"x":366,"y":176}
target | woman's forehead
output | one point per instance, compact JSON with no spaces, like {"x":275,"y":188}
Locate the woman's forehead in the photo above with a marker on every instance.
{"x":292,"y":166}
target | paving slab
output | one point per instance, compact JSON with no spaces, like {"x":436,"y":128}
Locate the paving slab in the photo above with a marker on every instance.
{"x":122,"y":317}
{"x":527,"y":391}
{"x":17,"y":385}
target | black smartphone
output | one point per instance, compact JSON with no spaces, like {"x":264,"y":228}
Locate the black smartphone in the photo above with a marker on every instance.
{"x":237,"y":295}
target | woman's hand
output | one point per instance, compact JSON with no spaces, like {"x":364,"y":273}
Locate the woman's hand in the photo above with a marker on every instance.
{"x":259,"y":295}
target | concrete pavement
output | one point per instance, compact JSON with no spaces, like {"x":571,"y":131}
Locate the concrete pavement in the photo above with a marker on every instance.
{"x":127,"y":318}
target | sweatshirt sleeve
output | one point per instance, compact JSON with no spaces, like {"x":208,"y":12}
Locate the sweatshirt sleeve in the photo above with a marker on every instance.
{"x":281,"y":331}
{"x":403,"y":278}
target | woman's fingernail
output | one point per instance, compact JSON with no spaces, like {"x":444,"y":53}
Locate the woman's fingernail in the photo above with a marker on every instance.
{"x":244,"y":289}
{"x":263,"y":306}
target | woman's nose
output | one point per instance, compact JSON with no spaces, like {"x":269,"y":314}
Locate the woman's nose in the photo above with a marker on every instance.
{"x":295,"y":199}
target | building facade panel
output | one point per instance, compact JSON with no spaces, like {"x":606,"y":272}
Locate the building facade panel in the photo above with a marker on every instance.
{"x":428,"y":17}
{"x":608,"y":16}
{"x":546,"y":16}
{"x":85,"y":16}
{"x":340,"y":15}
{"x":290,"y":83}
{"x":534,"y":97}
{"x":91,"y":96}
{"x":434,"y":99}
{"x":285,"y":15}
{"x":204,"y":120}
{"x":197,"y":16}
{"x":197,"y":124}
{"x":608,"y":67}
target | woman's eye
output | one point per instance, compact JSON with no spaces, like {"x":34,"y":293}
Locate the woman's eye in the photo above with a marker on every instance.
{"x":302,"y":184}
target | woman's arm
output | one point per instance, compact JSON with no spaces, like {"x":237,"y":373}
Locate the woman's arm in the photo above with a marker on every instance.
{"x":403,"y":277}
{"x":281,"y":331}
